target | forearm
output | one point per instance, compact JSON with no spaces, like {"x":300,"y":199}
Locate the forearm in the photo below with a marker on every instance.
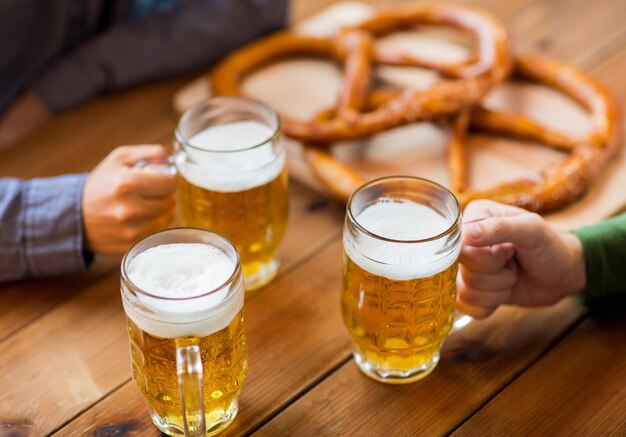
{"x":604,"y":247}
{"x":192,"y":36}
{"x":41,"y":231}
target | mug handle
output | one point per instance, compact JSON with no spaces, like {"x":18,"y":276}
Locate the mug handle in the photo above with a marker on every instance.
{"x":461,"y":320}
{"x":189,"y":370}
{"x":168,"y":167}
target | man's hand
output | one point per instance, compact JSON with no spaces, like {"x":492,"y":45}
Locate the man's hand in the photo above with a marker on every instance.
{"x":512,"y":256}
{"x":122,"y":204}
{"x":24,"y":116}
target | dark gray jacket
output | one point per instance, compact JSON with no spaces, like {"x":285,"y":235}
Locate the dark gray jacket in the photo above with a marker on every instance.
{"x":70,"y":50}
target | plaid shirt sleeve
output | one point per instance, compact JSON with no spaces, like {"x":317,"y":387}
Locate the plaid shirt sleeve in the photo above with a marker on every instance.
{"x":41,"y":229}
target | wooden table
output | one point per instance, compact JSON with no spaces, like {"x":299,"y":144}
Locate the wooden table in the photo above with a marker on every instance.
{"x":64,"y":361}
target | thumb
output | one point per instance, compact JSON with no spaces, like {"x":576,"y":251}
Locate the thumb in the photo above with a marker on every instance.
{"x":482,"y":209}
{"x":524,"y":231}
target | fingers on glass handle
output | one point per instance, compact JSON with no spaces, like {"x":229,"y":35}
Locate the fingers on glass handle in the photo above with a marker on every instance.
{"x":189,"y":369}
{"x":163,"y":168}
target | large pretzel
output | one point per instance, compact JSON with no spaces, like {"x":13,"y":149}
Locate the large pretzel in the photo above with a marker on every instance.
{"x":362,"y":111}
{"x":557,"y":185}
{"x":355,"y":49}
{"x":563,"y":182}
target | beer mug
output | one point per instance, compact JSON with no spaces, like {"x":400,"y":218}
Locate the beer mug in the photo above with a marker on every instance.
{"x":182,"y":291}
{"x":231,"y":160}
{"x":402,"y":239}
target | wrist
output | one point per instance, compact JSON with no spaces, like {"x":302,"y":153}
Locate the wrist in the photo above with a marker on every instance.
{"x":576,"y":276}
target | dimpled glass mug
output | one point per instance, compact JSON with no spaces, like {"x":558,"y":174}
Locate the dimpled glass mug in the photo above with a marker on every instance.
{"x":402,"y":239}
{"x":183,"y":293}
{"x":230,"y":157}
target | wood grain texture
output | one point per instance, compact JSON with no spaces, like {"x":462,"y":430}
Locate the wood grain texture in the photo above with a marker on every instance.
{"x":122,"y":413}
{"x":314,"y":221}
{"x":295,"y":336}
{"x":76,"y":141}
{"x":475,"y":363}
{"x":574,"y":31}
{"x":577,"y":389}
{"x":66,"y":360}
{"x":302,"y":9}
{"x":611,"y":72}
{"x":22,"y":302}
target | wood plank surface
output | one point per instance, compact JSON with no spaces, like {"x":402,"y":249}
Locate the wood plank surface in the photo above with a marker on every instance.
{"x":575,"y":31}
{"x":77,"y":140}
{"x":65,"y":360}
{"x":475,"y":363}
{"x":611,"y":72}
{"x":577,"y":389}
{"x":22,"y":302}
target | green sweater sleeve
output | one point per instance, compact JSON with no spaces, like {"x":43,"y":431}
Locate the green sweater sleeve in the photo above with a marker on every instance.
{"x":604,"y":247}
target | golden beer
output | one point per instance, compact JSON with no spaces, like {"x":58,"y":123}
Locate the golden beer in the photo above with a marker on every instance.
{"x":401,"y":245}
{"x":255,"y":219}
{"x":397,"y":325}
{"x":231,"y":159}
{"x":224,"y":369}
{"x":183,"y":294}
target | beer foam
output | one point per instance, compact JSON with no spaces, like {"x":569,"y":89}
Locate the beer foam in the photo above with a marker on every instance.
{"x":223,"y":157}
{"x":179,"y":271}
{"x":406,"y":221}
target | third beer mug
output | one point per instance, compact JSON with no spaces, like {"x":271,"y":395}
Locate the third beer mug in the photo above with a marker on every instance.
{"x":401,"y":239}
{"x":230,"y":156}
{"x":182,"y":291}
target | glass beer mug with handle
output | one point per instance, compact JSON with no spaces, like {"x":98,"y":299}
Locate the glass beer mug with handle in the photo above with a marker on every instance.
{"x":182,"y":291}
{"x":402,"y":239}
{"x":231,"y":160}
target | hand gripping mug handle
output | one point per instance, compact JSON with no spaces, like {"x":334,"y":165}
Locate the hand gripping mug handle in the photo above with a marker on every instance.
{"x":168,"y":167}
{"x":189,"y":370}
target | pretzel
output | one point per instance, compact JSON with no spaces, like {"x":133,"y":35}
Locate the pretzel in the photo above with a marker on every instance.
{"x":453,"y":102}
{"x":338,"y":178}
{"x":557,"y":185}
{"x":354,"y":48}
{"x":562,"y":182}
{"x":457,"y":156}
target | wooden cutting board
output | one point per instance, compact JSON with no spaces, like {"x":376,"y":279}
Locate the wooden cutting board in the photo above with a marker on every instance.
{"x":304,"y":87}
